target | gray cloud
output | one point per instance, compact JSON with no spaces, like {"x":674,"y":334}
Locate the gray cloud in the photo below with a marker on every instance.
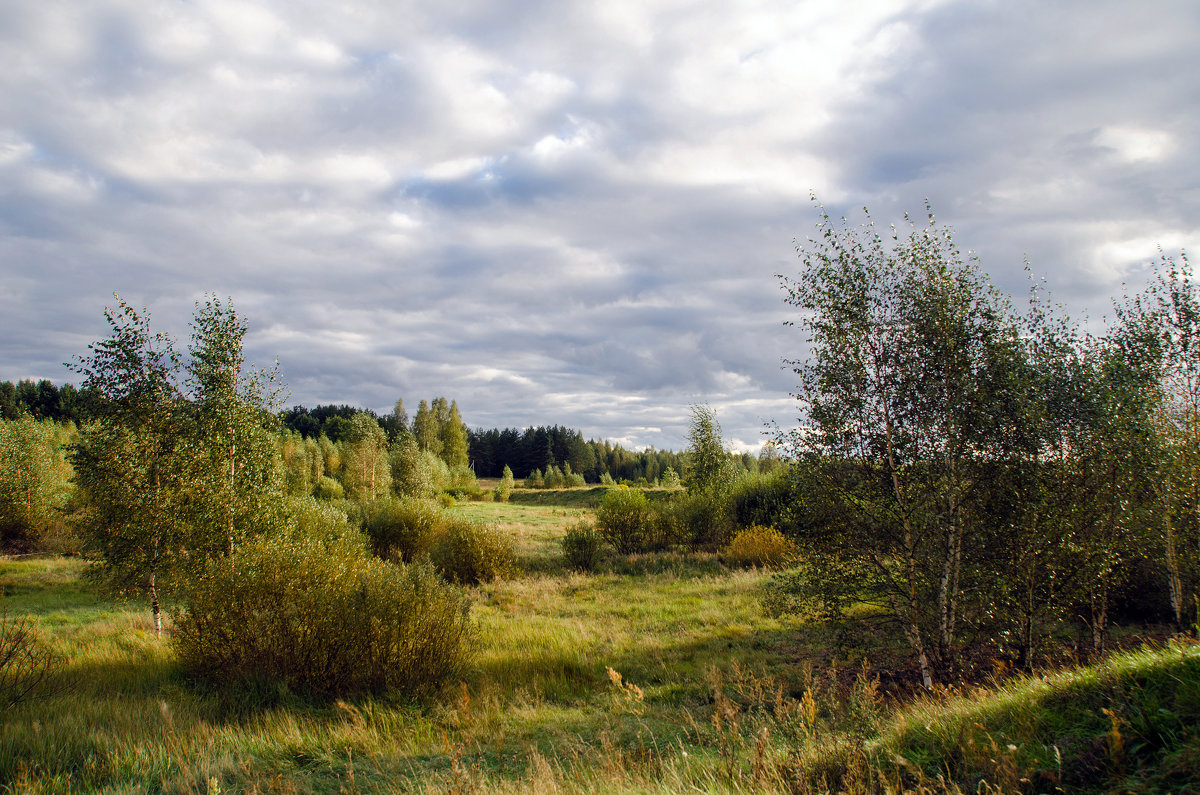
{"x":562,"y":212}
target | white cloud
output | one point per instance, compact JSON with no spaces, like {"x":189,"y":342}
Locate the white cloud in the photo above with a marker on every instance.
{"x":566,"y":213}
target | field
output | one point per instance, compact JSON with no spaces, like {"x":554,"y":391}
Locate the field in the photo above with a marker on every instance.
{"x":657,"y":673}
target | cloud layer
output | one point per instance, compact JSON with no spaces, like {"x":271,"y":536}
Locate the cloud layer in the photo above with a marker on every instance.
{"x":567,"y":212}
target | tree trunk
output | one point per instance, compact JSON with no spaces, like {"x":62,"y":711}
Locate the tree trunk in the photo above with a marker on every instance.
{"x":232,"y":487}
{"x":1174,"y":581}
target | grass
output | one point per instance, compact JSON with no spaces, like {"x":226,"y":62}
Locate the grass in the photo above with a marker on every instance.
{"x":656,"y":674}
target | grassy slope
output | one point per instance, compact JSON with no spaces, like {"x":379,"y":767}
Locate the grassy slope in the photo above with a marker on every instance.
{"x":711,"y":698}
{"x":1129,"y":724}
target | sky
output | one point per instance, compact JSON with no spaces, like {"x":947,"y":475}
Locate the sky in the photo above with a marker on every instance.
{"x":565,"y":212}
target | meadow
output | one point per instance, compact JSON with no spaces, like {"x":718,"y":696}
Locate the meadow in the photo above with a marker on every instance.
{"x":654,"y":673}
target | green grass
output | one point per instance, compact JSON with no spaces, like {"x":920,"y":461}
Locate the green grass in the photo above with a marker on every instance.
{"x":580,"y":497}
{"x":712,"y":696}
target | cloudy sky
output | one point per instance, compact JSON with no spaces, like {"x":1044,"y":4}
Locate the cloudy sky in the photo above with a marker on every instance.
{"x":564,"y":212}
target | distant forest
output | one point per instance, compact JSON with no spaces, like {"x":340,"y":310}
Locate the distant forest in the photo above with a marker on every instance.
{"x":488,"y":451}
{"x":522,"y":450}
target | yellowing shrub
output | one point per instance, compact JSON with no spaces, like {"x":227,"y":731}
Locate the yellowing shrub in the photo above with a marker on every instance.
{"x":759,"y":546}
{"x":471,"y":552}
{"x":324,"y":618}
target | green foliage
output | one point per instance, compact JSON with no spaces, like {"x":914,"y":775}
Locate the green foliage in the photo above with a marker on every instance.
{"x":133,"y":464}
{"x":623,"y":518}
{"x":471,"y":552}
{"x":302,"y":463}
{"x":582,"y":546}
{"x":328,"y":489}
{"x":322,"y":618}
{"x":708,"y":467}
{"x":233,"y":475}
{"x":765,"y":498}
{"x":553,"y":479}
{"x":311,"y":518}
{"x":34,"y":480}
{"x":366,"y":469}
{"x":462,"y":481}
{"x":402,"y":528}
{"x":535,"y":480}
{"x":760,"y":546}
{"x":506,"y":485}
{"x":694,"y":520}
{"x":412,"y":475}
{"x":452,"y":433}
{"x":914,"y":386}
{"x":425,"y":429}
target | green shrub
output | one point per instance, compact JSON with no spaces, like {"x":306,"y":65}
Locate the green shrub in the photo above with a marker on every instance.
{"x":581,"y":546}
{"x":694,"y":521}
{"x":463,"y":483}
{"x":765,"y":499}
{"x":401,"y":529}
{"x":470,"y":552}
{"x":323,"y":618}
{"x":328,"y":489}
{"x":623,"y":518}
{"x":309,"y":517}
{"x":574,"y":480}
{"x":446,"y":500}
{"x":553,"y":478}
{"x":759,"y":546}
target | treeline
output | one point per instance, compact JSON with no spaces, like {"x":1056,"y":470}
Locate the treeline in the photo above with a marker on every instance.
{"x":43,"y":400}
{"x":544,"y":447}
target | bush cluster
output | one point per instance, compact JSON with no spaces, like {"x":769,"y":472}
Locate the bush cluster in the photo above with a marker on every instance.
{"x":470,"y":552}
{"x":623,"y":518}
{"x":402,"y":529}
{"x":410,"y":529}
{"x":322,"y":618}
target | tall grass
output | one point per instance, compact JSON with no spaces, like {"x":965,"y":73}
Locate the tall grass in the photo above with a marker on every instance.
{"x":705,"y":694}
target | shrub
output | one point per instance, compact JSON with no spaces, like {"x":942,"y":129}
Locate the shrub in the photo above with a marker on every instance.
{"x":470,"y":552}
{"x":581,"y":546}
{"x":574,"y":480}
{"x":462,"y":482}
{"x":623,"y":518}
{"x":607,"y":479}
{"x":446,"y":500}
{"x":765,"y":499}
{"x":553,"y":478}
{"x":505,"y":486}
{"x":308,"y":517}
{"x":694,"y":520}
{"x":328,"y":489}
{"x":759,"y":546}
{"x":323,"y":618}
{"x":401,"y":529}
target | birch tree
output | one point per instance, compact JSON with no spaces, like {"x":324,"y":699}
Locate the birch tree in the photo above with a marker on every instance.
{"x":903,"y":400}
{"x":131,"y":463}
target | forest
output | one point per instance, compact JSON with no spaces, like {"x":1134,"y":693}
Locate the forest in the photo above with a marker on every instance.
{"x":972,"y":565}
